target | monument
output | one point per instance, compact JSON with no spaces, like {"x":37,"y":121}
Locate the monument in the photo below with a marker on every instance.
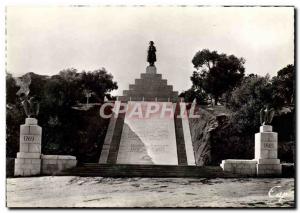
{"x":265,"y":162}
{"x":140,"y":133}
{"x":266,"y":145}
{"x":30,"y":161}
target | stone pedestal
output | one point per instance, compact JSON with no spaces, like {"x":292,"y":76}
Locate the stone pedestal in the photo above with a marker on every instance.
{"x":266,"y":145}
{"x":28,"y":161}
{"x":151,"y":69}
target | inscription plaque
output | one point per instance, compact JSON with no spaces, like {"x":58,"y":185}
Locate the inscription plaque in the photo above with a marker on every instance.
{"x":148,"y":140}
{"x":30,"y":138}
{"x":268,"y":145}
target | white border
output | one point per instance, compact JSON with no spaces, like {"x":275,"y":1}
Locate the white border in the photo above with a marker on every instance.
{"x":3,"y":3}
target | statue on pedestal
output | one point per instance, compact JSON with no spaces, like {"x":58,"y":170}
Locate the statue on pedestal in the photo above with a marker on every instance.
{"x":30,"y":104}
{"x":151,"y":54}
{"x":266,"y":115}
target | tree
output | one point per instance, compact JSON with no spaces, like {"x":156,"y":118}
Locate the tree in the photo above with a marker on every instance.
{"x":247,"y":100}
{"x":193,"y":93}
{"x":11,"y":89}
{"x":284,"y":86}
{"x":62,"y":92}
{"x":217,"y":73}
{"x":99,"y":82}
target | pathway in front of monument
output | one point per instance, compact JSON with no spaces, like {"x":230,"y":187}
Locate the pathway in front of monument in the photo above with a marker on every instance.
{"x":70,"y":191}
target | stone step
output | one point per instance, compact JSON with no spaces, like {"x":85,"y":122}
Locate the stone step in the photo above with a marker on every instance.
{"x":173,"y":99}
{"x":148,"y":93}
{"x":151,"y":76}
{"x":151,"y":87}
{"x":151,"y":82}
{"x":126,"y":170}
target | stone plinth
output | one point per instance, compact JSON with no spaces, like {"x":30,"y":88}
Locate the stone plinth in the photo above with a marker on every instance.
{"x":151,"y":69}
{"x":266,"y":149}
{"x":245,"y":167}
{"x":266,"y":143}
{"x":28,"y":160}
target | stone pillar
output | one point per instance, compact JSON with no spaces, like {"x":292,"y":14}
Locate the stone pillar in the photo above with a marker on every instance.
{"x":28,"y":161}
{"x":266,"y":146}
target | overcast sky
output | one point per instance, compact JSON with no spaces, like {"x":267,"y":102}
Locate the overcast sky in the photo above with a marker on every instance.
{"x":46,"y":40}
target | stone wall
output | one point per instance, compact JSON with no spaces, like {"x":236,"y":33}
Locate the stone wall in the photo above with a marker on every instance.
{"x":201,"y":129}
{"x":244,"y":167}
{"x":54,"y":164}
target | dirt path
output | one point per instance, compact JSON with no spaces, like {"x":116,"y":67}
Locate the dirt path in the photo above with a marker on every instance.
{"x":148,"y":192}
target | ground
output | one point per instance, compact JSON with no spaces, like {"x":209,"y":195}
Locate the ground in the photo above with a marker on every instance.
{"x":70,"y":191}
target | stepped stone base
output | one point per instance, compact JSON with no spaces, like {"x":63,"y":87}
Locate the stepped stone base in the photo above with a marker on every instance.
{"x":150,"y":87}
{"x":147,"y":140}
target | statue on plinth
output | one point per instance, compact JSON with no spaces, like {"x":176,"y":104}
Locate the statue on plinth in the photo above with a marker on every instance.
{"x":28,"y":161}
{"x":151,"y":54}
{"x":30,"y":104}
{"x":266,"y":115}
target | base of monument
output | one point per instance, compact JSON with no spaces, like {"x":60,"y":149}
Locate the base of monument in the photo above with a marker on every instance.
{"x":255,"y":167}
{"x":269,"y":169}
{"x":27,"y":165}
{"x":130,"y":170}
{"x":151,"y":69}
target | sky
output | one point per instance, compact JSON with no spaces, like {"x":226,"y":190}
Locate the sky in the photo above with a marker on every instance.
{"x":46,"y":40}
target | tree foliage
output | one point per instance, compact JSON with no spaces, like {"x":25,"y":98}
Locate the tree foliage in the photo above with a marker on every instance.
{"x":217,"y":73}
{"x":11,"y":89}
{"x":284,"y":86}
{"x":191,"y":94}
{"x":62,"y":127}
{"x":246,"y":101}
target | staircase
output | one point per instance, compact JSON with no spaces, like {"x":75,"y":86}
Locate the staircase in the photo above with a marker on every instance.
{"x":126,"y":170}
